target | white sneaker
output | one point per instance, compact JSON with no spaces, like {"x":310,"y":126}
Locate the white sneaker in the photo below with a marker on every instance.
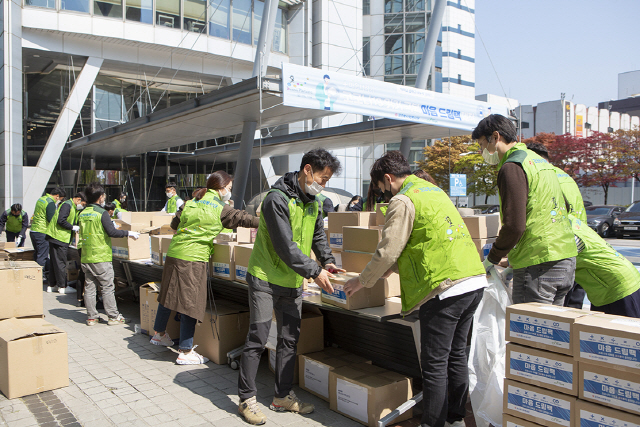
{"x":66,"y":290}
{"x":162,"y":340}
{"x":52,"y":289}
{"x":455,"y":424}
{"x":191,"y":358}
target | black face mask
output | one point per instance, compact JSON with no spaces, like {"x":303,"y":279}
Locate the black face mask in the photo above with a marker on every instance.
{"x":387,"y":194}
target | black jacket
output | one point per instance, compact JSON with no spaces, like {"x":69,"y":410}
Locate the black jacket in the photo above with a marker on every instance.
{"x":25,"y":223}
{"x":275,"y":209}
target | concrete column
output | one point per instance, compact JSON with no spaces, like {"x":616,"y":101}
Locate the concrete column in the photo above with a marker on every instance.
{"x":11,"y":118}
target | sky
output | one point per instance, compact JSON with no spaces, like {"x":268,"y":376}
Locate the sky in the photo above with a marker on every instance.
{"x":540,"y":48}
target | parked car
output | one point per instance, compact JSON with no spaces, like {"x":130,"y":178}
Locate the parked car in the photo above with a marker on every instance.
{"x":600,"y":218}
{"x":487,"y":209}
{"x":628,"y":222}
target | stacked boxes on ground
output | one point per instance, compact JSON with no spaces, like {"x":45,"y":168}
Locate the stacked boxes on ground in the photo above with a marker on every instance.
{"x":572,"y":368}
{"x":483,"y":230}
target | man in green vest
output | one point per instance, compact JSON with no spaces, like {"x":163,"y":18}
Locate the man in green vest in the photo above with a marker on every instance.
{"x":44,"y":211}
{"x":60,"y":232}
{"x":535,"y":233}
{"x":575,"y":207}
{"x":15,"y":221}
{"x":174,"y":202}
{"x":291,"y":226}
{"x":611,"y":281}
{"x":96,"y":231}
{"x":442,"y":280}
{"x":120,"y":206}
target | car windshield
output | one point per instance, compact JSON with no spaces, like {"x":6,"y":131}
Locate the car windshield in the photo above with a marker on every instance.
{"x":597,"y":211}
{"x":634,"y":208}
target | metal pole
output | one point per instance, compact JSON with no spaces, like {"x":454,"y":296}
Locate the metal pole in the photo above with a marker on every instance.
{"x":633,"y":188}
{"x":428,"y":54}
{"x":265,"y":38}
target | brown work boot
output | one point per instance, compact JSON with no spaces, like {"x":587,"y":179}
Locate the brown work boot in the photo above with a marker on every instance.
{"x":250,"y":411}
{"x":291,"y":403}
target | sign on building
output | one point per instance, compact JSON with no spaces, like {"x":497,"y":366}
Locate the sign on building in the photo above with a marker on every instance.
{"x":457,"y":185}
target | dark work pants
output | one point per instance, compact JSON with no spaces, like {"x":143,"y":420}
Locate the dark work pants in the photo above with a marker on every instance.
{"x":264,"y":299}
{"x":444,"y":327}
{"x":628,"y":306}
{"x":575,"y":297}
{"x":80,"y":281}
{"x":11,"y":237}
{"x":58,"y":265}
{"x":41,"y":249}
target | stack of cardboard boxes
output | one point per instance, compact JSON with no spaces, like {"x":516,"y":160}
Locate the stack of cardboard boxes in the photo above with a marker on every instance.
{"x":483,"y":229}
{"x":33,"y":352}
{"x":572,"y":368}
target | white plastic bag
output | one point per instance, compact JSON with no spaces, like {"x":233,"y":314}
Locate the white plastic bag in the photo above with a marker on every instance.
{"x":487,"y":355}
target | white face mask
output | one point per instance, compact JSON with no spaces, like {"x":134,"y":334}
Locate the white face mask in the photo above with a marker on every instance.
{"x":491,"y":158}
{"x":79,"y":206}
{"x":169,"y":195}
{"x":227,"y":196}
{"x":314,"y":189}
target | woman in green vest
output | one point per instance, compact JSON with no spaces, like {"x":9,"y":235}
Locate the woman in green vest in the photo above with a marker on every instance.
{"x":15,"y":222}
{"x":612,"y":283}
{"x":425,"y":240}
{"x":184,"y":277}
{"x":174,"y":201}
{"x":120,"y":206}
{"x":60,"y":232}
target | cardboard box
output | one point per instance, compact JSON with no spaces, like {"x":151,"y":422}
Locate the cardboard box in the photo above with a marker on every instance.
{"x":222,"y":330}
{"x":364,"y":298}
{"x":163,"y":230}
{"x":480,"y":245}
{"x":543,"y":326}
{"x":337,"y":220}
{"x":607,"y":386}
{"x":544,"y":369}
{"x":127,"y":226}
{"x":246,"y":235}
{"x":511,"y":421}
{"x":380,"y":215}
{"x":360,"y":239}
{"x":21,"y":289}
{"x":356,"y":262}
{"x":149,"y":293}
{"x":315,"y":367}
{"x":131,"y":249}
{"x":226,"y":238}
{"x":242,"y":255}
{"x":20,"y":254}
{"x":7,"y":245}
{"x":159,"y":248}
{"x":612,"y":340}
{"x":538,"y":405}
{"x":159,"y":220}
{"x":366,"y":393}
{"x":589,"y":414}
{"x":140,"y":217}
{"x":483,"y":226}
{"x":222,"y":263}
{"x":33,"y":357}
{"x":73,"y":270}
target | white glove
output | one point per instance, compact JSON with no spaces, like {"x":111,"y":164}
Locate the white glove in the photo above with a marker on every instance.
{"x":488,"y":265}
{"x":18,"y":240}
{"x":134,"y":234}
{"x":76,"y":228}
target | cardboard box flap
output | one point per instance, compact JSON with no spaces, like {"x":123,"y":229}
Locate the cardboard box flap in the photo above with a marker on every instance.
{"x":608,"y":321}
{"x":17,"y":250}
{"x":15,"y":329}
{"x":154,"y":286}
{"x":9,"y":265}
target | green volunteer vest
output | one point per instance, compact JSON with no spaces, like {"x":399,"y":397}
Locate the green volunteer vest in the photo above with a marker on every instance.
{"x":572,"y":194}
{"x":320,"y":198}
{"x":264,"y":263}
{"x":117,"y":209}
{"x":172,"y":204}
{"x":96,"y":245}
{"x":55,"y":231}
{"x":439,"y":247}
{"x":199,"y":225}
{"x":14,"y":223}
{"x":548,"y":235}
{"x":604,"y":274}
{"x":39,"y":222}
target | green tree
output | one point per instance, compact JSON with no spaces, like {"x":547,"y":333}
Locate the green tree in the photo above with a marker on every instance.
{"x":459,"y":154}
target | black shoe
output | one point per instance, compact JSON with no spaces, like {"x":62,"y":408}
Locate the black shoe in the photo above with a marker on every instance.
{"x":80,"y":303}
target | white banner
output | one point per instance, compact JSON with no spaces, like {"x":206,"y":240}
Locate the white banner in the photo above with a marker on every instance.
{"x":307,"y":87}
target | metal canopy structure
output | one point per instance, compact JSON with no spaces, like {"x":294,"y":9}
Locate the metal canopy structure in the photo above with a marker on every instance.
{"x":383,"y":131}
{"x":217,"y":114}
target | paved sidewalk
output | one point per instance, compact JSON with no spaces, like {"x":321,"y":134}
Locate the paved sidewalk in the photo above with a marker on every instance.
{"x":118,"y":378}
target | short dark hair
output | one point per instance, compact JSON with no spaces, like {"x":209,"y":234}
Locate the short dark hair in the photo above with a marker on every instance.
{"x":93,"y":192}
{"x":17,"y":207}
{"x":171,"y":185}
{"x":492,"y":123}
{"x":539,"y":149}
{"x":58,"y":192}
{"x":319,"y":158}
{"x":80,"y":195}
{"x":393,"y":162}
{"x":110,"y":207}
{"x":122,"y":195}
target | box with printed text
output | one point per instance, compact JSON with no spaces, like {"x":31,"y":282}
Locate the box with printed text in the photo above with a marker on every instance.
{"x":602,"y":384}
{"x":538,"y":405}
{"x":337,"y":220}
{"x":592,"y":415}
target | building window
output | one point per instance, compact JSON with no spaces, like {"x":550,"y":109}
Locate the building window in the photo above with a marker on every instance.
{"x":393,"y":64}
{"x":393,"y":44}
{"x":258,"y":11}
{"x":459,"y":28}
{"x":459,"y":79}
{"x":366,"y":55}
{"x":366,"y":7}
{"x":459,"y":54}
{"x":414,"y":22}
{"x":241,"y":21}
{"x":280,"y":35}
{"x":75,"y":5}
{"x":413,"y":63}
{"x":415,"y":5}
{"x":168,"y":13}
{"x":392,"y":6}
{"x":415,"y":43}
{"x":49,"y":4}
{"x":195,"y":12}
{"x":219,"y":18}
{"x":109,"y":8}
{"x":140,"y":11}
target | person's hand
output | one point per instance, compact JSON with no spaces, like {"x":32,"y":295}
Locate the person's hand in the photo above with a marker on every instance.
{"x":134,"y":234}
{"x":488,"y":265}
{"x":352,"y":286}
{"x":323,"y":281}
{"x":504,"y":262}
{"x":76,"y":228}
{"x":331,"y":268}
{"x":18,"y":240}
